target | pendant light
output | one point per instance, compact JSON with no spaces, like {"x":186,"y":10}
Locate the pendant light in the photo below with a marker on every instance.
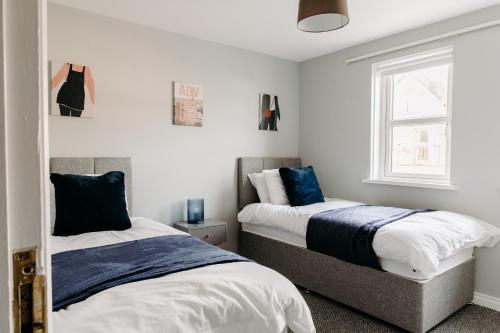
{"x":322,"y":15}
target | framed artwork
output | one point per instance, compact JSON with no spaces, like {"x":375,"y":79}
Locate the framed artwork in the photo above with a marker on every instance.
{"x":269,"y":112}
{"x":188,"y":104}
{"x":72,"y":90}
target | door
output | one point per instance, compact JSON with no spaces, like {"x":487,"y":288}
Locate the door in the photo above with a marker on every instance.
{"x":23,"y":143}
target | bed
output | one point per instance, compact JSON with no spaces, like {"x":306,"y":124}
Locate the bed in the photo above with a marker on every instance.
{"x":398,"y":295}
{"x":229,"y":297}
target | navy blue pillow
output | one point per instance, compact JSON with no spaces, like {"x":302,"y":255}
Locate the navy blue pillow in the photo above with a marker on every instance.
{"x":301,"y":186}
{"x":90,"y":203}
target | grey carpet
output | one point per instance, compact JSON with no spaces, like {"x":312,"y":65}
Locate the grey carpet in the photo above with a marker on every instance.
{"x":330,"y":316}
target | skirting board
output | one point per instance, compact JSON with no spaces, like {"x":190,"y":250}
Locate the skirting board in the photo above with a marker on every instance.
{"x":486,"y":301}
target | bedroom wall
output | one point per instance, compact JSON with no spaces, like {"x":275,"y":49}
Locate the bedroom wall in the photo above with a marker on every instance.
{"x":335,"y":128}
{"x":134,"y":67}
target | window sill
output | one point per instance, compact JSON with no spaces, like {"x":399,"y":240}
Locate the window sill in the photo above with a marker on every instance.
{"x":449,"y":187}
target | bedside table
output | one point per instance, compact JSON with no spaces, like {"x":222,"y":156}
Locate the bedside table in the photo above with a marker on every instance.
{"x":212,"y":231}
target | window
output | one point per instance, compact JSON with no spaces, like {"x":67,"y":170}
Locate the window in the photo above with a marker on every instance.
{"x":411,"y":123}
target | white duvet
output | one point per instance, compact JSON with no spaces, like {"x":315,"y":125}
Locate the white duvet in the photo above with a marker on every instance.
{"x":239,"y":297}
{"x":420,"y":240}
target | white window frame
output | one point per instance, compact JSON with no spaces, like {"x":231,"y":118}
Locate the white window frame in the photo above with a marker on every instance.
{"x":382,"y":122}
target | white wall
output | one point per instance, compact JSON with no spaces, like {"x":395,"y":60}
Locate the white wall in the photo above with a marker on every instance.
{"x":20,"y":159}
{"x":134,"y":67}
{"x":335,"y":128}
{"x":22,"y":105}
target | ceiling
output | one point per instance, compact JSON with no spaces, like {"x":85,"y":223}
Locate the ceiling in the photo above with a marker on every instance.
{"x":269,"y":26}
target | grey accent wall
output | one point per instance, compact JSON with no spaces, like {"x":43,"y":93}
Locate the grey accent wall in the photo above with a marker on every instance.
{"x":134,"y":67}
{"x":335,"y":128}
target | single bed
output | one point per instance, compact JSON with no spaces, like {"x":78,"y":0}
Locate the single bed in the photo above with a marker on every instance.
{"x":222,"y":298}
{"x":404,"y":297}
{"x":388,"y":265}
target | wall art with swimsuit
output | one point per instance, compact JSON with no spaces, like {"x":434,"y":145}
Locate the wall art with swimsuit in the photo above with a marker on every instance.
{"x":72,"y":90}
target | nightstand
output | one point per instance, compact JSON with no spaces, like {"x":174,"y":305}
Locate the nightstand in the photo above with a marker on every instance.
{"x":212,"y":231}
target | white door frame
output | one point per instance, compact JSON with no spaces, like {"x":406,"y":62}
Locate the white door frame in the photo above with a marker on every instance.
{"x":43,"y":142}
{"x":5,"y":258}
{"x":16,"y":111}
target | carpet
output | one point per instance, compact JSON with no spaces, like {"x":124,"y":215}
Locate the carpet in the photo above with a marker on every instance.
{"x":330,"y":316}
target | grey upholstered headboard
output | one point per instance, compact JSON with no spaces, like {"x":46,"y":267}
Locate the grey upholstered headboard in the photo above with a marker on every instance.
{"x":95,"y":165}
{"x":246,"y":165}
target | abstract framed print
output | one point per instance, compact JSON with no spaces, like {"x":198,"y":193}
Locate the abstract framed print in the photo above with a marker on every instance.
{"x":188,"y":104}
{"x":269,"y":112}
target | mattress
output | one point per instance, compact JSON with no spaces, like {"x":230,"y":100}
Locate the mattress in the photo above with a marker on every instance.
{"x":276,"y":234}
{"x":420,"y":240}
{"x":389,"y":265}
{"x":405,"y":270}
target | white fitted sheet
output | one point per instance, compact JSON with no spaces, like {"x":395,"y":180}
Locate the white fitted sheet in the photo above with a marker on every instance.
{"x":420,"y":241}
{"x":406,"y":270}
{"x":233,"y":297}
{"x":388,"y":265}
{"x":276,"y":234}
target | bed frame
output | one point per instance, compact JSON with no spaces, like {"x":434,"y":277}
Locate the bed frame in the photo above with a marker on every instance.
{"x":95,"y":165}
{"x":416,"y":306}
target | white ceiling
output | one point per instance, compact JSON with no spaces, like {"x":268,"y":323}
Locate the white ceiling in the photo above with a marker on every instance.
{"x":269,"y":26}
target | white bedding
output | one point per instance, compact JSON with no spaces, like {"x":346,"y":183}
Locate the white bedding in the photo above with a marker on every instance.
{"x":420,"y":240}
{"x":227,"y":298}
{"x":387,"y":265}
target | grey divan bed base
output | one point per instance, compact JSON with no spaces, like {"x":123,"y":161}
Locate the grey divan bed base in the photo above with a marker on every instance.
{"x":416,"y":306}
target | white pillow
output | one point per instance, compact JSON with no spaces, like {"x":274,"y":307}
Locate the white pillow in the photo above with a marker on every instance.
{"x":275,"y":187}
{"x":259,"y":182}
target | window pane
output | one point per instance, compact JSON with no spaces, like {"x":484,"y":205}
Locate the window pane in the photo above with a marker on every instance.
{"x":419,"y":149}
{"x":421,"y":93}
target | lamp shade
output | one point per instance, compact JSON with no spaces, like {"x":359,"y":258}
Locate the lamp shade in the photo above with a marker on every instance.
{"x":322,"y":15}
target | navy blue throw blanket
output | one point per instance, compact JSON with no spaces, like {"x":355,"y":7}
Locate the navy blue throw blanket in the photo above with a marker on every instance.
{"x":347,"y":233}
{"x":79,"y":274}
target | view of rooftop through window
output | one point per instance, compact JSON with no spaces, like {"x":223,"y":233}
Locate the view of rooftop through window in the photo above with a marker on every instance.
{"x":420,"y":149}
{"x":421,"y":93}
